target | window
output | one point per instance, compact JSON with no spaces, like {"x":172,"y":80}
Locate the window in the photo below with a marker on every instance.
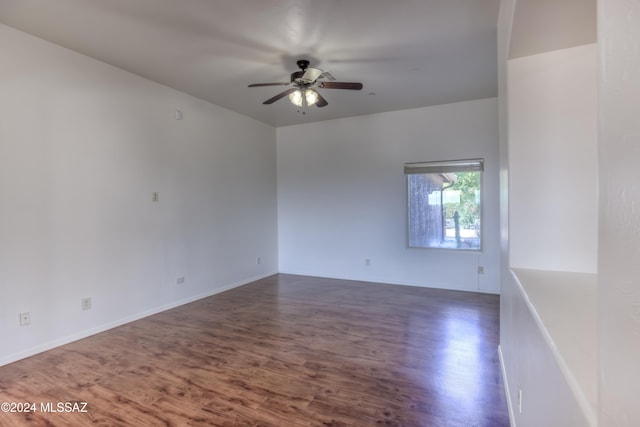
{"x":443,"y":204}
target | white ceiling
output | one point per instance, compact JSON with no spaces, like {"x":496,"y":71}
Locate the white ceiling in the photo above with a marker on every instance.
{"x":407,"y":53}
{"x":546,"y":25}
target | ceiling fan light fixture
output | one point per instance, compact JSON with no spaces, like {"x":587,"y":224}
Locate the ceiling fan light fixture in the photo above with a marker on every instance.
{"x":296,"y":98}
{"x":311,"y":96}
{"x":301,"y":94}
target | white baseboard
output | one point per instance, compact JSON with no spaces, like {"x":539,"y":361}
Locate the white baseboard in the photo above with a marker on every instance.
{"x":505,"y":382}
{"x":128,"y":319}
{"x":384,"y":281}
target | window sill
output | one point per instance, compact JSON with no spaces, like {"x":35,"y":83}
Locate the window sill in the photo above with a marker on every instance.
{"x":564,"y":307}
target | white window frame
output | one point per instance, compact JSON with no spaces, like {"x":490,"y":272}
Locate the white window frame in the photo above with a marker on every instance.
{"x":444,"y":167}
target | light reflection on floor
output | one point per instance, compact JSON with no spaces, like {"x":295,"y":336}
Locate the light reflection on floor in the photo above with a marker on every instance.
{"x":461,"y":364}
{"x":463,"y":359}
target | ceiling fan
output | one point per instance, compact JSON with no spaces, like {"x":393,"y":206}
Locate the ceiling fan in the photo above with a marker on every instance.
{"x":304,"y":82}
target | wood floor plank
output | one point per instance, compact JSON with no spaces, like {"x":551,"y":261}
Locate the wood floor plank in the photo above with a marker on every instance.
{"x":283,"y":351}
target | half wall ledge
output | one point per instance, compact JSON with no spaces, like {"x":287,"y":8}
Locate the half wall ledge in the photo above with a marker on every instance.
{"x":564,"y":306}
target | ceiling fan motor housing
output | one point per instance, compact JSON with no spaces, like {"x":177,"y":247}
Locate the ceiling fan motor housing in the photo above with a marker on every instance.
{"x":296,"y":75}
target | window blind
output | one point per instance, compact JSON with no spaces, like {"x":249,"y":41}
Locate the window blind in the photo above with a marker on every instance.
{"x":471,"y":165}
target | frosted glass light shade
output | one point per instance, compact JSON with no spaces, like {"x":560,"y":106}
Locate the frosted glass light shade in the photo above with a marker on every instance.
{"x":311,"y":97}
{"x":296,"y":98}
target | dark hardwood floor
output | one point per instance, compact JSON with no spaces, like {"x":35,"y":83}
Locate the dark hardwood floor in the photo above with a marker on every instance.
{"x":282,"y":351}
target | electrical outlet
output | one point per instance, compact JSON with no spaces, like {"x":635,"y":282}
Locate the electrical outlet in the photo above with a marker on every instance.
{"x":180,"y":280}
{"x":25,"y":319}
{"x":480,"y":269}
{"x":367,"y":262}
{"x":520,"y":400}
{"x":258,"y":261}
{"x":155,"y":196}
{"x":85,"y":303}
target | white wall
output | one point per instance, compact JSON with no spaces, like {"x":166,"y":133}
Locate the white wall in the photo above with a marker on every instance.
{"x":341,"y":195}
{"x":508,"y":331}
{"x":82,"y":147}
{"x":553,"y":160}
{"x":547,"y":398}
{"x":553,"y":199}
{"x":548,"y":126}
{"x":619,"y":255}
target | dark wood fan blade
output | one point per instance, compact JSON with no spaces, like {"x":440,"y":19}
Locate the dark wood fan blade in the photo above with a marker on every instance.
{"x":268,"y":84}
{"x":340,"y":85}
{"x":280,"y":95}
{"x":321,"y":101}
